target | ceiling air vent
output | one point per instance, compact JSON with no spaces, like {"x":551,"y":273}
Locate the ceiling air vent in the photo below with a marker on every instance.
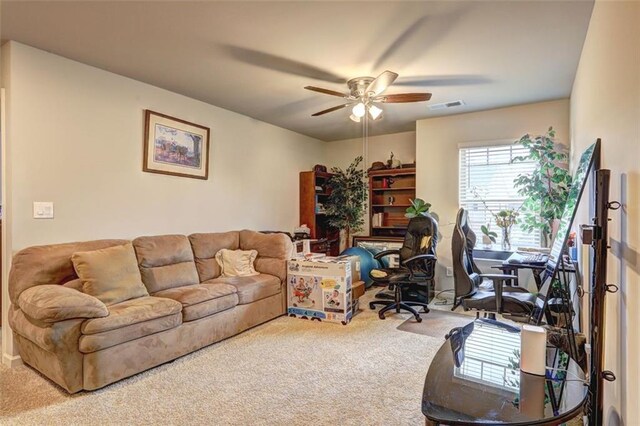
{"x":446,"y":105}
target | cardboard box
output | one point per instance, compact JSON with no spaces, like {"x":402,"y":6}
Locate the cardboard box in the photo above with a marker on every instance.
{"x":320,"y":289}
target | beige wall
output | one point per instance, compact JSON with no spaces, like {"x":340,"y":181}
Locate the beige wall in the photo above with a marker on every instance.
{"x":437,"y":142}
{"x":341,"y":153}
{"x":605,"y":103}
{"x":74,"y":135}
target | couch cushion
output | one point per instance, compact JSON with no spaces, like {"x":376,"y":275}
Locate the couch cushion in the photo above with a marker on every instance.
{"x":53,"y":303}
{"x":95,"y":342}
{"x":110,"y":274}
{"x":210,"y":307}
{"x":273,"y":251}
{"x":252,"y":288}
{"x":165,"y":261}
{"x":192,"y":294}
{"x":132,"y":312}
{"x":201,"y":300}
{"x":205,"y":247}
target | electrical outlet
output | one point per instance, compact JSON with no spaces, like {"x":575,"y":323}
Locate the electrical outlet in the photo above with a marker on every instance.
{"x":449,"y":271}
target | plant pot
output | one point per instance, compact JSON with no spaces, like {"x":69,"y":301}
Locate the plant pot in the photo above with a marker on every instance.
{"x":486,"y":242}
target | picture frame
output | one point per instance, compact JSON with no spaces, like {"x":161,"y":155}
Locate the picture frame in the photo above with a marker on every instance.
{"x":175,"y":147}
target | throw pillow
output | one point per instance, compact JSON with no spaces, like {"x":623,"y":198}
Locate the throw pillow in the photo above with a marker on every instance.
{"x":111,"y":274}
{"x":237,"y":263}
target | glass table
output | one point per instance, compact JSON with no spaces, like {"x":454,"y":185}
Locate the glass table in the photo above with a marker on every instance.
{"x":483,"y":384}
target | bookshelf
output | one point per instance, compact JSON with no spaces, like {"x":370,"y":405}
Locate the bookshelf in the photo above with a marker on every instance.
{"x":390,"y":192}
{"x":314,"y":191}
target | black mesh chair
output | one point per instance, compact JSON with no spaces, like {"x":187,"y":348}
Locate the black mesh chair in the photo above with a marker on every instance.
{"x":484,"y":292}
{"x":417,"y":266}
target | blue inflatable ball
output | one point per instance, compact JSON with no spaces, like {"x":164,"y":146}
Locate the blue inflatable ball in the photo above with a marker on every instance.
{"x":367,"y":263}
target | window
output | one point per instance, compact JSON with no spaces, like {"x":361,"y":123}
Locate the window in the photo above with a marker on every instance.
{"x":488,"y":171}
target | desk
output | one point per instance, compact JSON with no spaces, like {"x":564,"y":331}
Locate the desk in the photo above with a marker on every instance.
{"x":536,"y":269}
{"x":488,"y":387}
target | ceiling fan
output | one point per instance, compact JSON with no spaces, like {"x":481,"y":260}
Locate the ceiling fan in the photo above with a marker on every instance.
{"x":365,"y":92}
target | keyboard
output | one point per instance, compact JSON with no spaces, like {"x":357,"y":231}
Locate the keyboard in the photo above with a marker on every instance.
{"x":528,"y":258}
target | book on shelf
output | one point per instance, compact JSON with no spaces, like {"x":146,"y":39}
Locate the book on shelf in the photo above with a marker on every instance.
{"x":376,"y":219}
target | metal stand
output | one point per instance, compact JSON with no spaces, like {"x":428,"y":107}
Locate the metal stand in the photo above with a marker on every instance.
{"x":597,"y":236}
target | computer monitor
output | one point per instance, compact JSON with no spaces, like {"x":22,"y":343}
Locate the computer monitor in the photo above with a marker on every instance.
{"x":578,"y":183}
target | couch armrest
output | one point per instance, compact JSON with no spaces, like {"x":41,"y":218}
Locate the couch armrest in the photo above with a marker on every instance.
{"x":273,"y":251}
{"x":54,"y":303}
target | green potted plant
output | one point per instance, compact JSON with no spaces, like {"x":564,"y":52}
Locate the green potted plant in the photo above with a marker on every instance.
{"x":345,"y":206}
{"x":417,"y":208}
{"x":547,"y":187}
{"x":488,"y":237}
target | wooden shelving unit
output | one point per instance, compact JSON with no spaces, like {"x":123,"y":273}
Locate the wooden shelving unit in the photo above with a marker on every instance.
{"x":390,"y":192}
{"x":314,"y":191}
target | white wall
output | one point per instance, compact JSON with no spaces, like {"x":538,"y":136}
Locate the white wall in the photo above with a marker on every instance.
{"x":403,"y":145}
{"x":605,"y":103}
{"x":437,"y":142}
{"x":75,"y":137}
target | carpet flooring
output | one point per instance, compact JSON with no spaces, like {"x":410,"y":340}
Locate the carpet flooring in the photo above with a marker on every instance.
{"x":288,"y":371}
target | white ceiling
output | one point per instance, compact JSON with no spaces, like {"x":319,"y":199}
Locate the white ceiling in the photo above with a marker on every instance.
{"x":255,"y":57}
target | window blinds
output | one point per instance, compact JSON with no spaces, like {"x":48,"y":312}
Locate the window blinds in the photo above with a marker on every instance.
{"x":489,"y":172}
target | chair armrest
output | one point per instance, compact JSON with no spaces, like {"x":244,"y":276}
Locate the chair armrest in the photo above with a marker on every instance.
{"x":502,"y":277}
{"x":420,"y":257}
{"x":54,"y":303}
{"x":410,"y":262}
{"x":384,"y":253}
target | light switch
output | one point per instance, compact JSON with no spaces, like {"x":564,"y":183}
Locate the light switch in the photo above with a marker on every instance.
{"x":43,"y":210}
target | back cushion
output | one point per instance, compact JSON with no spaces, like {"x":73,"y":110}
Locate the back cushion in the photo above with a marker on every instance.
{"x":205,"y":247}
{"x":165,"y":261}
{"x":50,"y":264}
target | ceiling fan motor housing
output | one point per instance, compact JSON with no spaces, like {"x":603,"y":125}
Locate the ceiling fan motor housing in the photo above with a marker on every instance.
{"x":358,"y":85}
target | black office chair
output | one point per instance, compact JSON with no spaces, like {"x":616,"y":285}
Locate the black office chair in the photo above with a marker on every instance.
{"x":417,"y":266}
{"x":496,"y":296}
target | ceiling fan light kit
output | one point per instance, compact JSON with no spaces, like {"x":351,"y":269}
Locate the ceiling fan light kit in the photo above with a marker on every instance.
{"x":364,"y":92}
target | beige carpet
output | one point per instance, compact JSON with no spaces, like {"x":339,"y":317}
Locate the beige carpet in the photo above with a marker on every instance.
{"x":288,"y":371}
{"x":437,"y":323}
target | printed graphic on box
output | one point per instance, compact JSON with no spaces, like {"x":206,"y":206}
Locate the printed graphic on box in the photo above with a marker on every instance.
{"x":305,"y":294}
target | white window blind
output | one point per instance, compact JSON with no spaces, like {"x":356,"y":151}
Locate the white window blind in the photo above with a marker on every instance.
{"x":490,"y":172}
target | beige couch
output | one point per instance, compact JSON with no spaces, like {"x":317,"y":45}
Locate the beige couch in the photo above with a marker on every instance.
{"x":80,"y":343}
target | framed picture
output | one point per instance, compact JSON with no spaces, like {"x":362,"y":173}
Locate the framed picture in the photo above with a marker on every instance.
{"x":175,"y":147}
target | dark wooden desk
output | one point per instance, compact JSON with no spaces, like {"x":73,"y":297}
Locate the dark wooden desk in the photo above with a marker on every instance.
{"x":489,"y":388}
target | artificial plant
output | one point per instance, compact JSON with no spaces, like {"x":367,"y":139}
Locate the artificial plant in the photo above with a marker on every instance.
{"x":547,"y":187}
{"x":489,"y":234}
{"x":345,"y":206}
{"x":417,"y":208}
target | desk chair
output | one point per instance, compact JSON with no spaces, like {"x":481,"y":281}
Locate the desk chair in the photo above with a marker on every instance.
{"x":417,"y":266}
{"x":496,"y":295}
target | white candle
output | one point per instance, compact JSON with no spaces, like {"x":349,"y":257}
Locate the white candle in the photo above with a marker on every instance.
{"x":533,"y":349}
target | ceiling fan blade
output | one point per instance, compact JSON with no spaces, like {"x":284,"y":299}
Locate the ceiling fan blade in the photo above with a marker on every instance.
{"x":404,"y":98}
{"x":380,"y":84}
{"x":327,"y":91}
{"x":335,"y":108}
{"x":279,"y":63}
